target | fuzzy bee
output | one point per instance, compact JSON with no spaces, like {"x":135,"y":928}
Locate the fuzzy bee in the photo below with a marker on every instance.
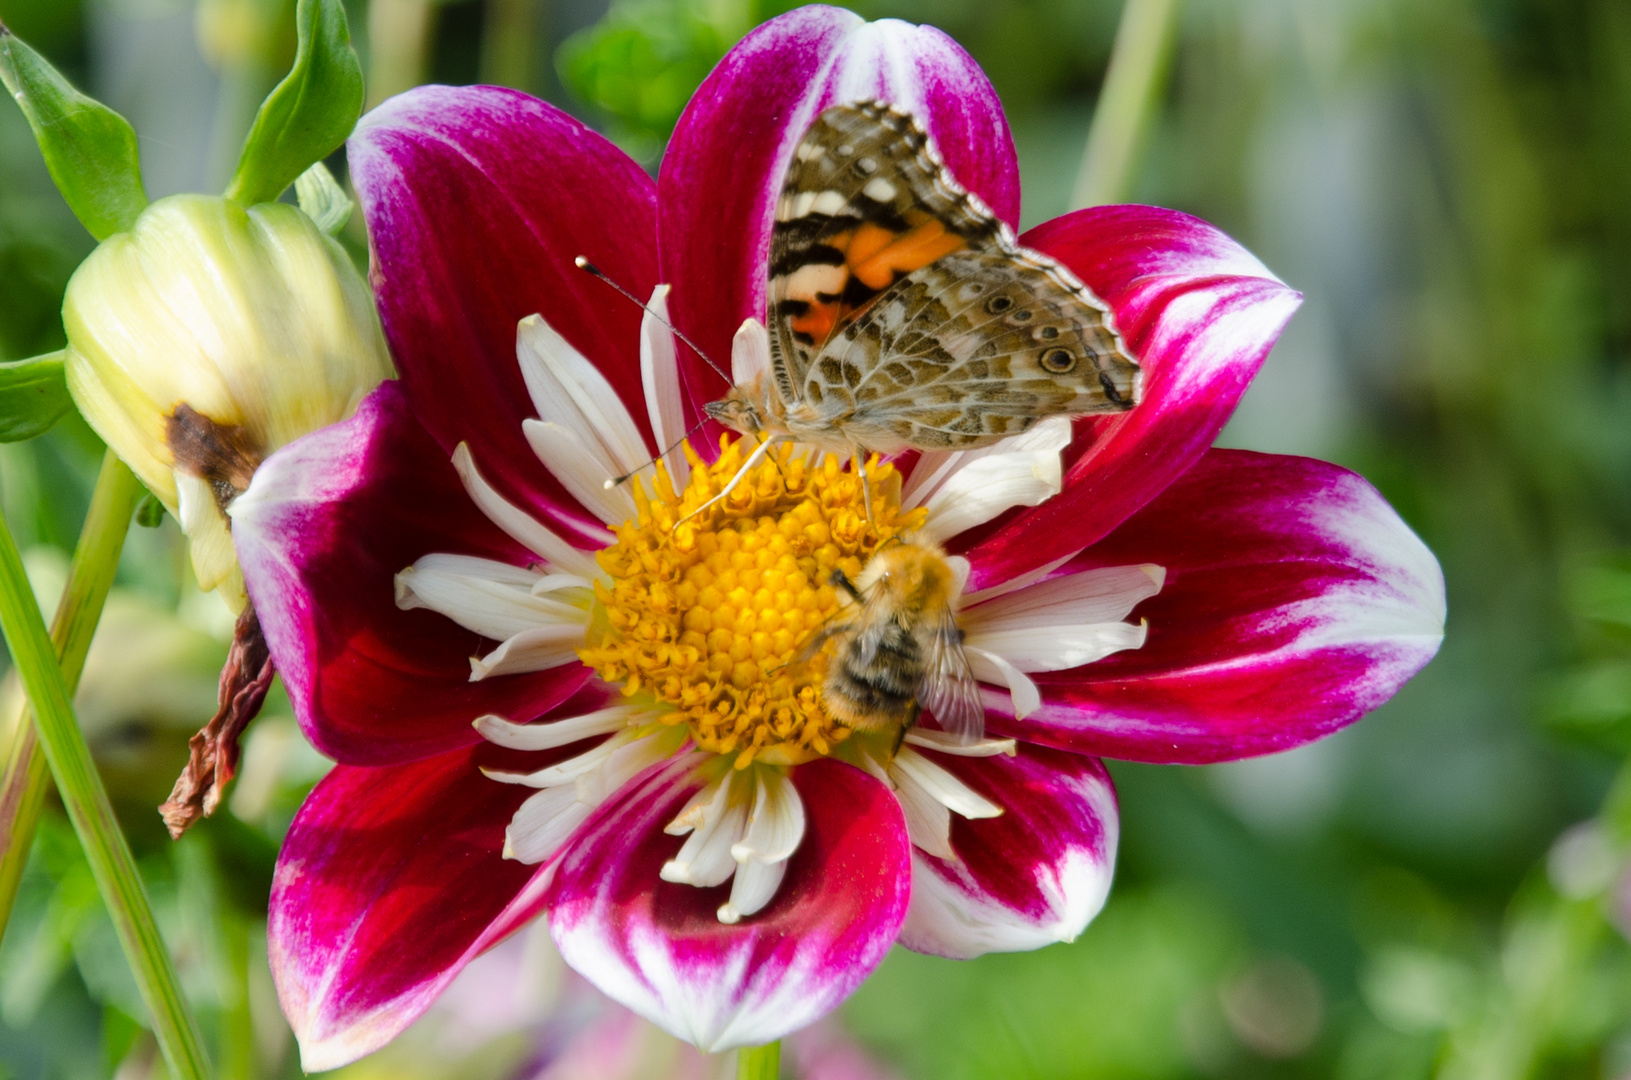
{"x":900,"y":650}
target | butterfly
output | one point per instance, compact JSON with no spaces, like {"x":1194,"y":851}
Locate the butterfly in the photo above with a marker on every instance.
{"x":903,"y":314}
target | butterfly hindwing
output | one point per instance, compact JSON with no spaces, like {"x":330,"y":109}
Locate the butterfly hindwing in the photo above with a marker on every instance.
{"x":903,"y":313}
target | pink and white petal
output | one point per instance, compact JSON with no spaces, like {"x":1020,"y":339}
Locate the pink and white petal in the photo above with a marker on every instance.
{"x":1295,"y":601}
{"x":386,"y":885}
{"x":477,"y":200}
{"x":1200,"y":313}
{"x":321,"y":534}
{"x":660,"y":948}
{"x":1035,"y":875}
{"x":724,"y":165}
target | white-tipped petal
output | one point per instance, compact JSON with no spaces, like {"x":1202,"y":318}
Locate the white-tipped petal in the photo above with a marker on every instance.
{"x":991,"y":668}
{"x":581,"y":473}
{"x":753,"y":887}
{"x":521,"y":526}
{"x":553,"y":733}
{"x":567,"y":390}
{"x":660,"y":376}
{"x":910,"y":766}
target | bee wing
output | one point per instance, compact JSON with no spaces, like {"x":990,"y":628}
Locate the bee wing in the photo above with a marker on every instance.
{"x":948,"y":687}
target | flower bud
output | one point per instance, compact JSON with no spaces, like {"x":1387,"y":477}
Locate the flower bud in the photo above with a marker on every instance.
{"x":205,"y":338}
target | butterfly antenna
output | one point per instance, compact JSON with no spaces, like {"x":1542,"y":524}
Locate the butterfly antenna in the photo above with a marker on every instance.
{"x":586,"y":265}
{"x":617,"y":481}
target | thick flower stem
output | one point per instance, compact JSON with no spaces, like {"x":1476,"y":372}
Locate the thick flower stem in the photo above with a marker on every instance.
{"x":759,"y":1062}
{"x":1137,"y":72}
{"x":90,"y":576}
{"x":77,"y":779}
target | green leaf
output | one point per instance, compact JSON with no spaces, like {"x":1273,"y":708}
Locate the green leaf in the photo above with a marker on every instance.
{"x":33,"y":396}
{"x":322,"y":199}
{"x":90,"y":149}
{"x":310,"y":112}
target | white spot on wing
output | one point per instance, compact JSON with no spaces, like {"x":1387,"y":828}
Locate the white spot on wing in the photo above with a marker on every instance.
{"x":828,"y":202}
{"x":879,"y":190}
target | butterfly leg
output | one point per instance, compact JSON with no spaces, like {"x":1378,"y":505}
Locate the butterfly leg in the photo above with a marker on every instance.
{"x":748,"y":466}
{"x":866,"y":483}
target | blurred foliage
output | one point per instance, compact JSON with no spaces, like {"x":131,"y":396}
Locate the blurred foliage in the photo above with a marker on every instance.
{"x":1432,"y":893}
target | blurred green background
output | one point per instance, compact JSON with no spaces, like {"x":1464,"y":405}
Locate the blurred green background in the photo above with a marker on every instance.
{"x":1430,"y":893}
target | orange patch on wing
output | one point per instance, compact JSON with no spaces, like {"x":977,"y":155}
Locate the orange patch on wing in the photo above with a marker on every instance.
{"x":912,"y":250}
{"x":866,"y":242}
{"x":817,"y":321}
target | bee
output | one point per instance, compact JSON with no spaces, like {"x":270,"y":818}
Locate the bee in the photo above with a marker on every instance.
{"x":900,"y":650}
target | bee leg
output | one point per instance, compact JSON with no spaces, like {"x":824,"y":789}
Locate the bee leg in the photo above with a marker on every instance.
{"x":840,"y":580}
{"x":900,"y":736}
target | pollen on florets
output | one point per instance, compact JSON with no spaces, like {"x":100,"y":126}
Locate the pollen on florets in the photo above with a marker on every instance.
{"x":712,"y":614}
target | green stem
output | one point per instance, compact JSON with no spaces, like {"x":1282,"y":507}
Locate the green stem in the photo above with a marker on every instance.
{"x":759,"y":1062}
{"x":1137,"y":73}
{"x":90,"y":576}
{"x":87,"y":802}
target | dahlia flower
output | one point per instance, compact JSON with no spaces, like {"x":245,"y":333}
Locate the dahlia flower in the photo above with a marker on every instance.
{"x":550,"y":699}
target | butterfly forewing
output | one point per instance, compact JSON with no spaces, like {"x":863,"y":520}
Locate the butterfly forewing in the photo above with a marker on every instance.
{"x":903,"y":313}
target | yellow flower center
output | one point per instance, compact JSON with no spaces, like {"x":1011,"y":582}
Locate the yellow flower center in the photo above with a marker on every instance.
{"x":713,"y":612}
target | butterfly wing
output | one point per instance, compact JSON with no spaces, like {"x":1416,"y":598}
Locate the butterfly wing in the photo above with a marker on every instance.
{"x":905,"y":313}
{"x":947,"y":687}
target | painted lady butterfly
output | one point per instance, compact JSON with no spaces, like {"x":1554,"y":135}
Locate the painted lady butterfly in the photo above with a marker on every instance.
{"x":902,"y":313}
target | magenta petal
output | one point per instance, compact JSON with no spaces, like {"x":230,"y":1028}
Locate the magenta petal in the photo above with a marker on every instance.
{"x":1295,"y":601}
{"x":321,"y":534}
{"x":659,"y":948}
{"x":724,"y":165}
{"x":386,"y":886}
{"x":1035,"y":875}
{"x":477,"y":200}
{"x":1200,"y":313}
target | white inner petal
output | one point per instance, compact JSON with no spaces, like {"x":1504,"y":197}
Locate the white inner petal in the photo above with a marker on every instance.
{"x":1104,"y":595}
{"x":753,"y":887}
{"x":935,"y":468}
{"x":911,"y":767}
{"x":928,"y":820}
{"x":523,"y":527}
{"x":537,"y":649}
{"x":947,"y":743}
{"x":563,"y":772}
{"x":1057,"y":648}
{"x":776,"y":823}
{"x":493,"y":599}
{"x":991,"y":668}
{"x":581,"y":472}
{"x":715,"y":823}
{"x":1023,"y":581}
{"x":543,"y":823}
{"x":553,"y":733}
{"x":567,"y":390}
{"x":983,"y":488}
{"x":660,"y":376}
{"x":750,"y":353}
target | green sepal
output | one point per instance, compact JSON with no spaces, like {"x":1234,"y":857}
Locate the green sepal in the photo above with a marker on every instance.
{"x":33,"y":396}
{"x":90,"y":149}
{"x":323,"y":199}
{"x":311,"y":111}
{"x":150,"y":512}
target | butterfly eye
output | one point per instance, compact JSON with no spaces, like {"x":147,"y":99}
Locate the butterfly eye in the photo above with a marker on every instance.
{"x":1059,"y":361}
{"x":999,"y":304}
